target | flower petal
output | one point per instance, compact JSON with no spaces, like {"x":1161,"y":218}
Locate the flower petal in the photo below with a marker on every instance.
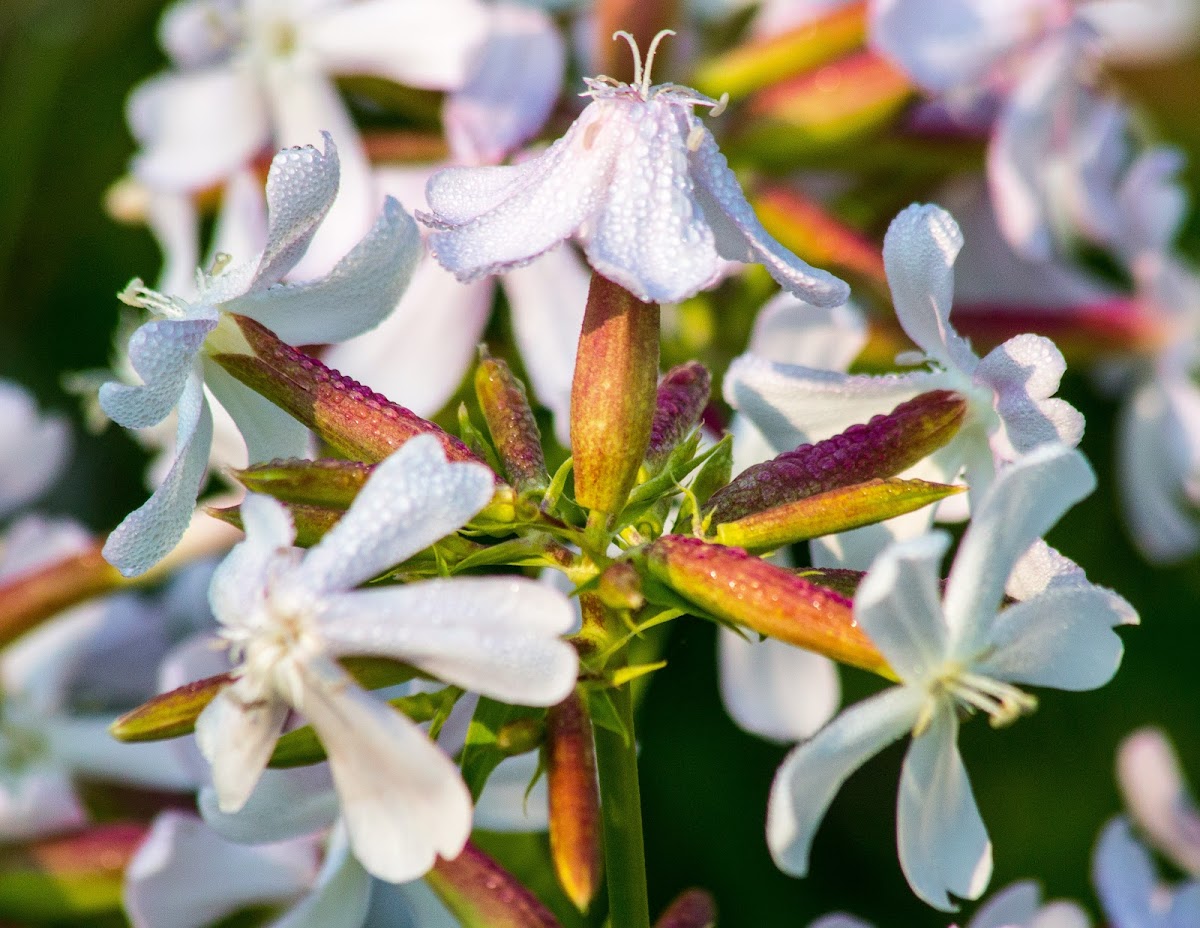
{"x":195,"y":33}
{"x":774,"y":690}
{"x":241,"y":226}
{"x":162,"y":353}
{"x":546,"y":301}
{"x":741,"y":237}
{"x":1012,"y":907}
{"x":410,"y":501}
{"x":269,"y":432}
{"x":508,"y":804}
{"x":1041,"y":568}
{"x":186,"y":876}
{"x":238,"y":584}
{"x":1025,"y":501}
{"x":432,"y":45}
{"x":39,"y":801}
{"x":898,"y":603}
{"x":1158,"y":797}
{"x":175,"y":225}
{"x":341,"y":896}
{"x":1124,"y":876}
{"x":34,"y":448}
{"x":85,"y":746}
{"x":492,"y":635}
{"x":791,"y":331}
{"x":403,"y":800}
{"x":1062,"y":638}
{"x":918,"y":252}
{"x":237,"y":732}
{"x":944,"y":846}
{"x":353,"y":298}
{"x":814,"y":771}
{"x":285,"y":804}
{"x":418,"y":355}
{"x":512,"y":88}
{"x":149,"y":533}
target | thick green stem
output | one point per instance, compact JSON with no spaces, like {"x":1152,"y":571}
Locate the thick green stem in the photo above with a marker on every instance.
{"x":621,"y":812}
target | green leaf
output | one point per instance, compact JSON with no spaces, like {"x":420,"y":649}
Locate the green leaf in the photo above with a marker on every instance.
{"x":603,"y":711}
{"x":482,"y":752}
{"x":632,"y":672}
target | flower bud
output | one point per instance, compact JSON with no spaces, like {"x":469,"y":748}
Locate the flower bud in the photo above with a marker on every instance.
{"x":311,"y":522}
{"x":620,"y":587}
{"x":326,"y":482}
{"x":692,"y":908}
{"x":511,"y":424}
{"x":738,"y":587}
{"x":478,"y":891}
{"x":575,"y":834}
{"x":680,"y":400}
{"x":613,"y":394}
{"x":520,"y":736}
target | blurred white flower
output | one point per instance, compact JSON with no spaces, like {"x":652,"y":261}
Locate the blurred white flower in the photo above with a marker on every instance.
{"x":1130,"y":890}
{"x":34,"y":448}
{"x":288,"y":614}
{"x":1158,"y":798}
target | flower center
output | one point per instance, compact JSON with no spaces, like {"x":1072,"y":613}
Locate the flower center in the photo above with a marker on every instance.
{"x":641,"y":88}
{"x":139,"y":296}
{"x":1002,"y":702}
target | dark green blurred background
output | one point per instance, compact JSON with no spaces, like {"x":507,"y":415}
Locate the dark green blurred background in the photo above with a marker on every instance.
{"x":1045,"y":785}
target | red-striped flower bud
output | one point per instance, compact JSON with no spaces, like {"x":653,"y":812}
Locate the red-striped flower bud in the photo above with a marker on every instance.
{"x":511,"y":424}
{"x":680,"y":400}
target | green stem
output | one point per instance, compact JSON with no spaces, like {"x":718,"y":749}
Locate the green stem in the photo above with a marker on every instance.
{"x":621,"y":811}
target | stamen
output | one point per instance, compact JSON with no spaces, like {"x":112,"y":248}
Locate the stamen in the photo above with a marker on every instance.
{"x":721,"y":105}
{"x":645,"y":78}
{"x":695,"y":138}
{"x":220,"y":261}
{"x":1003,"y":702}
{"x":637,"y":53}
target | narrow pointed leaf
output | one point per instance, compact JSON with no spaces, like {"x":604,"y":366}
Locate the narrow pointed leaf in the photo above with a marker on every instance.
{"x":574,"y":796}
{"x":681,"y":398}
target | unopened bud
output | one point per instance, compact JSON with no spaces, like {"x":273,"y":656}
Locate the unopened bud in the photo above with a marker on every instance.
{"x":680,"y":400}
{"x":620,"y":587}
{"x":520,"y":736}
{"x":327,"y":482}
{"x":478,"y":891}
{"x":574,"y":796}
{"x":510,"y":421}
{"x":693,"y":908}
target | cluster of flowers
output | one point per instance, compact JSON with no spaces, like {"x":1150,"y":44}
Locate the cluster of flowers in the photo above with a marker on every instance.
{"x":385,"y":578}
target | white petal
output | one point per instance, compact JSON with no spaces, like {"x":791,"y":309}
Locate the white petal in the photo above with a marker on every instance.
{"x":148,"y":534}
{"x":1158,"y":798}
{"x":1061,"y":915}
{"x":1143,"y":31}
{"x":268,"y":431}
{"x":918,"y":252}
{"x":1185,"y":907}
{"x":492,"y":219}
{"x":418,"y":355}
{"x":1012,"y":907}
{"x":898,"y":603}
{"x":546,"y":301}
{"x":357,"y":294}
{"x":237,"y":732}
{"x":508,"y":804}
{"x":341,"y":896}
{"x":493,"y":635}
{"x":34,"y":448}
{"x":791,"y":331}
{"x":512,"y":88}
{"x":775,"y":690}
{"x":812,"y":774}
{"x":1041,"y":568}
{"x":944,"y":846}
{"x":162,"y":353}
{"x":198,"y":127}
{"x":410,"y":905}
{"x":1062,"y":638}
{"x":740,"y":236}
{"x":285,"y":804}
{"x":1152,"y":201}
{"x":241,"y":225}
{"x":173,"y":222}
{"x":1124,"y":876}
{"x":840,"y":921}
{"x":420,"y":44}
{"x":412,"y":499}
{"x":792,"y":406}
{"x":185,"y":876}
{"x":40,"y":801}
{"x":1025,"y":501}
{"x":403,"y":800}
{"x":239,"y":583}
{"x":85,"y":746}
{"x":195,"y":33}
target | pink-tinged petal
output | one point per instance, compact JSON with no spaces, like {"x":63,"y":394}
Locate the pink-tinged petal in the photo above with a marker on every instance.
{"x":790,"y":331}
{"x":197,"y":128}
{"x":173,"y":222}
{"x":1133,"y":32}
{"x":1062,"y":639}
{"x":418,"y":355}
{"x":148,"y":534}
{"x":433,"y":45}
{"x":306,"y":106}
{"x":1025,"y":501}
{"x":512,"y":88}
{"x":34,"y":448}
{"x":944,"y":846}
{"x":403,"y":800}
{"x":1152,"y":201}
{"x":268,"y":432}
{"x":741,"y":237}
{"x":162,"y":353}
{"x":492,"y":219}
{"x":412,"y":499}
{"x":184,"y":875}
{"x":196,"y":33}
{"x":37,"y":802}
{"x":546,"y":301}
{"x":237,"y":588}
{"x":236,"y":733}
{"x":812,"y":773}
{"x":899,"y":605}
{"x":1158,"y":797}
{"x":341,"y":896}
{"x":774,"y":690}
{"x":285,"y":804}
{"x":1124,"y":876}
{"x":496,"y":636}
{"x":919,"y":250}
{"x":358,"y":294}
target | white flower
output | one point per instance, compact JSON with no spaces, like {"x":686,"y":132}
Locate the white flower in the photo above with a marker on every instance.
{"x":288,"y":614}
{"x":1011,"y":408}
{"x":34,"y":448}
{"x":1130,"y":890}
{"x":640,"y":180}
{"x":1158,"y":797}
{"x":168,"y":353}
{"x":955,"y":652}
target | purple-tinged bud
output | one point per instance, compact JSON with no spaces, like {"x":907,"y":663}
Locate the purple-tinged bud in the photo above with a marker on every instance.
{"x":620,"y":587}
{"x":738,"y":587}
{"x":680,"y":400}
{"x":574,"y":794}
{"x":613,"y":394}
{"x":478,"y":892}
{"x":171,"y":714}
{"x":831,"y":512}
{"x":326,"y":482}
{"x":511,"y":424}
{"x":692,"y":908}
{"x":881,"y":448}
